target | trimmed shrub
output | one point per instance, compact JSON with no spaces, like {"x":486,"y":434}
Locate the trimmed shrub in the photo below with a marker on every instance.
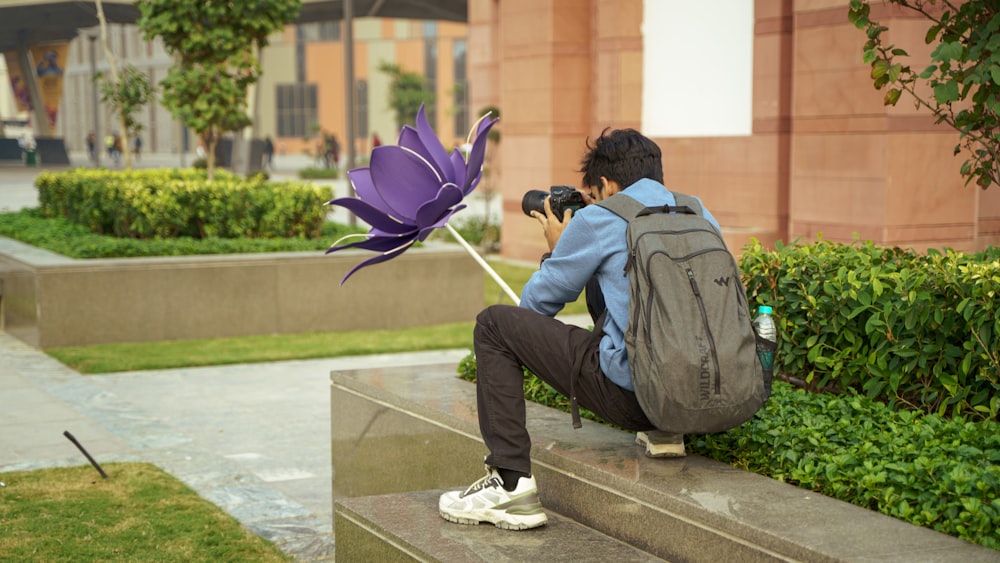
{"x":75,"y":241}
{"x":924,"y":469}
{"x":921,"y":331}
{"x":171,"y":203}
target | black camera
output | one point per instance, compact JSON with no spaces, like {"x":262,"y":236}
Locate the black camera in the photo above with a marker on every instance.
{"x":562,"y":198}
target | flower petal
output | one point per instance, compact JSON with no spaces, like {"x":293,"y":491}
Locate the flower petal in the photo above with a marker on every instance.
{"x":404,"y":180}
{"x":430,"y":141}
{"x":477,"y":154}
{"x":372,"y":215}
{"x":410,"y":139}
{"x":426,"y":230}
{"x":447,"y":197}
{"x":361,"y":179}
{"x":377,"y":242}
{"x":377,"y":259}
{"x":458,"y":164}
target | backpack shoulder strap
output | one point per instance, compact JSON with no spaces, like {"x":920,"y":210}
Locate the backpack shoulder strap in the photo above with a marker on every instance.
{"x":628,"y":208}
{"x":624,"y":206}
{"x":684,"y":200}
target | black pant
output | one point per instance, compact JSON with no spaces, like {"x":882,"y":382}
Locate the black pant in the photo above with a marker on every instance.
{"x":507,"y":338}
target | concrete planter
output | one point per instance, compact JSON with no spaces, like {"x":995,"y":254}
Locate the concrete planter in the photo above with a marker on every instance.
{"x":49,"y":300}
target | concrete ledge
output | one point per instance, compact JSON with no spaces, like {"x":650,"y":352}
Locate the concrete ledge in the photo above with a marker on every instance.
{"x":412,"y":429}
{"x":406,"y":526}
{"x":50,"y":300}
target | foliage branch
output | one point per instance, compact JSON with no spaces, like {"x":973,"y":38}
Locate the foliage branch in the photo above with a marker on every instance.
{"x":125,"y":93}
{"x":963,"y":77}
{"x":407,"y":92}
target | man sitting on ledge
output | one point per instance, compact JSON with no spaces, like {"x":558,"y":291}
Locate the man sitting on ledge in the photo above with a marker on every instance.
{"x":591,"y":368}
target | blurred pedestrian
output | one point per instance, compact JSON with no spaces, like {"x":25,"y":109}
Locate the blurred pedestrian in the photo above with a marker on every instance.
{"x":92,"y":146}
{"x":268,"y":153}
{"x":116,"y":148}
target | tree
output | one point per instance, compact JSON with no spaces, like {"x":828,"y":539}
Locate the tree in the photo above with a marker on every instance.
{"x":215,"y":46}
{"x":407,"y":92}
{"x":125,"y":93}
{"x":961,"y":86}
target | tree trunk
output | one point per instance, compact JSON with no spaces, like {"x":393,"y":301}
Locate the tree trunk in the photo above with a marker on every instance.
{"x":213,"y":140}
{"x":113,"y":68}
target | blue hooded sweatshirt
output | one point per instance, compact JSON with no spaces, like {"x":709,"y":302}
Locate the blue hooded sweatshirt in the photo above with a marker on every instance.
{"x":593,"y":243}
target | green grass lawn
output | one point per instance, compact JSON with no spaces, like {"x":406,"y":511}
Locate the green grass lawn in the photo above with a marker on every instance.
{"x":139,"y":513}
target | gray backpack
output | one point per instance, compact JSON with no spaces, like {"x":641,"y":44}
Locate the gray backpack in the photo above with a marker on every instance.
{"x":690,"y":343}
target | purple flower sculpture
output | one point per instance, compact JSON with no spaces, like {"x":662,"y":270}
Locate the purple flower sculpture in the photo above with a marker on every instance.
{"x":411,"y":188}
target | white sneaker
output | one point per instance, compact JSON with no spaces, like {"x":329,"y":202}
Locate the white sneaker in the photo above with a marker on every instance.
{"x":487,"y":501}
{"x":661,"y":444}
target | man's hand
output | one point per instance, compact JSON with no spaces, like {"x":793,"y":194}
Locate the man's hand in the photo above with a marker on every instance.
{"x":552,"y":226}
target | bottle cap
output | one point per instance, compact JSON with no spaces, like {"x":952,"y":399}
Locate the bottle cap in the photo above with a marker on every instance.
{"x":764,"y":310}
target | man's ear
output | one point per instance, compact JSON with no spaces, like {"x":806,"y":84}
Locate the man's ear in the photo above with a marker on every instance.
{"x":609,"y":187}
{"x":602,"y":186}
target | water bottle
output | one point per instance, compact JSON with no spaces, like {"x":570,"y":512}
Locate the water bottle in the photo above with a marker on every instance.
{"x":767,"y":342}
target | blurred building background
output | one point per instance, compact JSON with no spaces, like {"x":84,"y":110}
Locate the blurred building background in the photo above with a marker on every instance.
{"x":763,"y":108}
{"x":301,"y":91}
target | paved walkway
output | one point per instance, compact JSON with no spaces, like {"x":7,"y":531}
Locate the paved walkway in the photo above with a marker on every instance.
{"x":254,"y":438}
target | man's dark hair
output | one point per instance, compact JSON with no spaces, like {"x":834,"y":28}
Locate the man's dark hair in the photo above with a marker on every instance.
{"x":624,"y":156}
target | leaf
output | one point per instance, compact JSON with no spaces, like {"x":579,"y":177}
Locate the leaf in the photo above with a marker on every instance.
{"x":947,"y":51}
{"x":879,"y":69}
{"x":946,"y":92}
{"x":932,"y":33}
{"x":813,"y":354}
{"x":894,"y":71}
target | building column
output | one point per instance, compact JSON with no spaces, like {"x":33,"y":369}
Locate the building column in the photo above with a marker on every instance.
{"x":40,"y":117}
{"x":545,"y":71}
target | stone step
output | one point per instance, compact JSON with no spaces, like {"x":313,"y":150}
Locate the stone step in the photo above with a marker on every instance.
{"x":407,"y":526}
{"x":414,"y":428}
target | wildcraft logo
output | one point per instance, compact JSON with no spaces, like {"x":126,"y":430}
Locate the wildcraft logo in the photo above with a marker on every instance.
{"x":704,"y":374}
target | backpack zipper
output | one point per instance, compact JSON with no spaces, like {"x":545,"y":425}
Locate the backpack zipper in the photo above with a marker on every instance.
{"x":711,"y":340}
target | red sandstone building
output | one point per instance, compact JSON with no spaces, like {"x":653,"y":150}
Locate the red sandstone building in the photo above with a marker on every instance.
{"x":822,"y":154}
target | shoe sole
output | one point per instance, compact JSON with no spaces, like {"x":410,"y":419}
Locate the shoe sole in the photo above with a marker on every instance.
{"x":659,"y":451}
{"x":504,"y":521}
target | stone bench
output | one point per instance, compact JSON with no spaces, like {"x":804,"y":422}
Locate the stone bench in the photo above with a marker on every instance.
{"x":402,"y":435}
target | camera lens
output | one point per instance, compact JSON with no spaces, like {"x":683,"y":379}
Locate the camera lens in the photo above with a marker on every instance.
{"x":534,"y":200}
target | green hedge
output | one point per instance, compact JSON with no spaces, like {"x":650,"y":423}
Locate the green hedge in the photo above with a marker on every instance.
{"x":169,"y":203}
{"x":314,"y":173}
{"x":921,"y":468}
{"x":920,"y":330}
{"x":75,"y":241}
